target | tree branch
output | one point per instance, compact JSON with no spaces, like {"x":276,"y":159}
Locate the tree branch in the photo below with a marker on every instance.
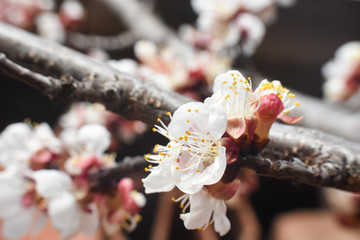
{"x":82,"y":78}
{"x":107,"y":178}
{"x":308,"y":156}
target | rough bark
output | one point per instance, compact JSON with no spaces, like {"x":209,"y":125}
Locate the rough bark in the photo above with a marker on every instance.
{"x":73,"y":76}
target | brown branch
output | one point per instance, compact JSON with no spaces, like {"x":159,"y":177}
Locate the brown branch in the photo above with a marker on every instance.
{"x":334,"y":119}
{"x":106,"y":179}
{"x":82,"y":78}
{"x":308,"y":156}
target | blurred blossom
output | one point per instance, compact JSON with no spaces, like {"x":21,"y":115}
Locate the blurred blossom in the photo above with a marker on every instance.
{"x":23,"y":145}
{"x":122,"y":131}
{"x":49,"y":26}
{"x":342,"y":74}
{"x":22,"y":13}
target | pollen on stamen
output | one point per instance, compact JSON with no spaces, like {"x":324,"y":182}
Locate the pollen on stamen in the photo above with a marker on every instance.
{"x":187,"y":121}
{"x":291,"y":95}
{"x":169,"y":146}
{"x":158,"y":119}
{"x":177,"y":168}
{"x":154,"y":129}
{"x":168,"y":113}
{"x":195,"y":139}
{"x":202,"y":140}
{"x":138,"y":218}
{"x":197,"y":170}
{"x":189,"y":149}
{"x":296,"y":104}
{"x":181,"y":206}
{"x":196,"y":110}
{"x":150,"y":166}
{"x":211,"y":148}
{"x":189,"y":110}
{"x":146,"y":169}
{"x":173,"y":199}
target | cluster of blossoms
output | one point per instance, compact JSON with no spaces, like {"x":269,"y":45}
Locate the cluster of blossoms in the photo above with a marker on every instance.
{"x":39,"y":15}
{"x":47,"y":177}
{"x":206,"y":137}
{"x":122,"y":130}
{"x":188,"y":73}
{"x":224,"y":24}
{"x":342,"y":74}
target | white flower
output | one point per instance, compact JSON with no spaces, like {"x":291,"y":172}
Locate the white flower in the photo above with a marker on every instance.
{"x":83,"y":113}
{"x":49,"y":26}
{"x":66,"y":215}
{"x":19,"y":215}
{"x":87,"y":146}
{"x":162,"y":66}
{"x":194,"y":157}
{"x":342,"y":73}
{"x":234,"y":93}
{"x":275,"y":87}
{"x":204,"y":210}
{"x":253,"y":31}
{"x":19,"y":143}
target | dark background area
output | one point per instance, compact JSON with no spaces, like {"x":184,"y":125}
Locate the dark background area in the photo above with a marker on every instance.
{"x":295,"y":47}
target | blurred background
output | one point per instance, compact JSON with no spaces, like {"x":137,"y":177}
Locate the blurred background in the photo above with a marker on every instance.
{"x":295,"y":47}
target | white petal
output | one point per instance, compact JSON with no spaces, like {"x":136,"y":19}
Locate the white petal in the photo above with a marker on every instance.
{"x":190,"y":115}
{"x":188,"y":181}
{"x":65,"y":214}
{"x":12,"y":189}
{"x":17,"y":226}
{"x":217,"y":120}
{"x":46,"y":137}
{"x":213,"y":173}
{"x":200,"y":211}
{"x":90,"y":221}
{"x":95,"y":138}
{"x":13,"y":145}
{"x":218,"y":82}
{"x":51,"y":183}
{"x":160,"y":178}
{"x":221,"y":222}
